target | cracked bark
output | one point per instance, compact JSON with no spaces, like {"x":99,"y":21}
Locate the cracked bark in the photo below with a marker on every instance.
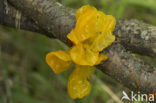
{"x":55,"y":20}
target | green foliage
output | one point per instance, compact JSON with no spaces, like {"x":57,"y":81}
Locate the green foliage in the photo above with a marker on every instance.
{"x":28,"y":79}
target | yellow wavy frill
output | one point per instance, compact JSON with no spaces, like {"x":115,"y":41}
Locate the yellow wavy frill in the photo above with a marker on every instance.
{"x":92,"y":34}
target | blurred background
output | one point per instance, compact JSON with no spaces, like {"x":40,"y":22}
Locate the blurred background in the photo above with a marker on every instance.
{"x":26,"y":78}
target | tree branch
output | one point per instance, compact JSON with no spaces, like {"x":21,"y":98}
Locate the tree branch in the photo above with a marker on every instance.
{"x":8,"y":18}
{"x":129,"y":70}
{"x":57,"y":20}
{"x":137,"y":36}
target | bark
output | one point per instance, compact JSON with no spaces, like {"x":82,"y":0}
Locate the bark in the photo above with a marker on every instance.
{"x":8,"y":17}
{"x":49,"y":15}
{"x":129,"y":70}
{"x":137,"y":36}
{"x":57,"y":21}
{"x":134,"y":35}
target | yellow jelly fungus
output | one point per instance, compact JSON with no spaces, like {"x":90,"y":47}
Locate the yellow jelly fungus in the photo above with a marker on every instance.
{"x":59,"y":61}
{"x":78,"y":84}
{"x":92,"y":34}
{"x":83,"y":56}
